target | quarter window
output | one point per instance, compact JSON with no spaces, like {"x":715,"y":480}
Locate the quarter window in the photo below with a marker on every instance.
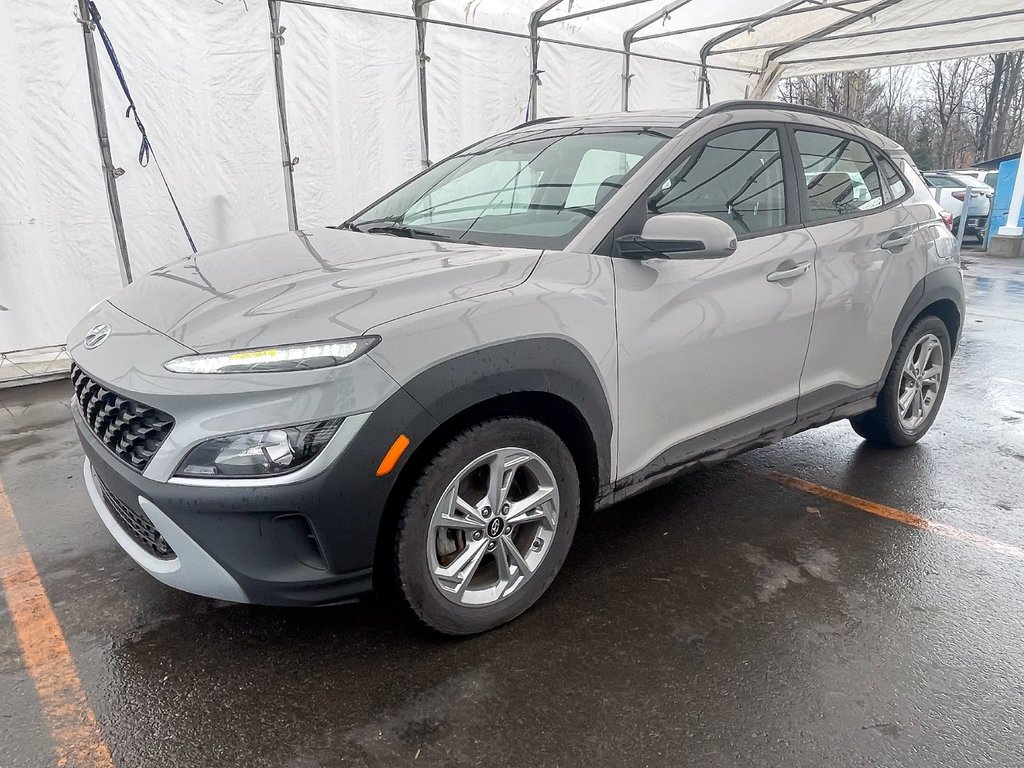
{"x":839,"y":174}
{"x":735,"y":177}
{"x":897,"y":186}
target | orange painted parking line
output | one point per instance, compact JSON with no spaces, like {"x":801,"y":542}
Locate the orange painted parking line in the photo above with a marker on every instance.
{"x":915,"y":521}
{"x":45,"y":652}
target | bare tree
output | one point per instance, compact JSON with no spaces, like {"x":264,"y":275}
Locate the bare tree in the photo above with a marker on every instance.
{"x":950,"y":83}
{"x":948,"y":114}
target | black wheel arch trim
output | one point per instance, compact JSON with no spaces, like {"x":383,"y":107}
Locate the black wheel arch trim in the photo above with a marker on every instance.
{"x":546,"y":364}
{"x":938,"y":285}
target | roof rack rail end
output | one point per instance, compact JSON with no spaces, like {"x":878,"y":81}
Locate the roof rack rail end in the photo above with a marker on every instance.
{"x":735,"y":104}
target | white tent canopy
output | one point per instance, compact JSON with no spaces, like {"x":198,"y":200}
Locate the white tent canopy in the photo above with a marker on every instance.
{"x":371,"y":90}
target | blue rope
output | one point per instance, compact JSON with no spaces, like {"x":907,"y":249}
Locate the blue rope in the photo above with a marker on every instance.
{"x":145,"y":148}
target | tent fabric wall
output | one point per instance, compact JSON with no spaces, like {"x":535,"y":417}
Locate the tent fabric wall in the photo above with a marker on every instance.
{"x":352,"y":110}
{"x":53,"y":212}
{"x":203,"y":78}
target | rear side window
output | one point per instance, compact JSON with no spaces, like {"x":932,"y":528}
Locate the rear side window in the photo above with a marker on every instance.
{"x":839,"y":174}
{"x":897,"y":185}
{"x":992,"y":178}
{"x":735,"y":177}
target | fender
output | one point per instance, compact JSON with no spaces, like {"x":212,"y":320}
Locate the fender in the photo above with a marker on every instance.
{"x":543,"y":364}
{"x":427,"y":401}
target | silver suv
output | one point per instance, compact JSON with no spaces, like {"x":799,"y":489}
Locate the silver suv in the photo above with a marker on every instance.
{"x":549,"y":321}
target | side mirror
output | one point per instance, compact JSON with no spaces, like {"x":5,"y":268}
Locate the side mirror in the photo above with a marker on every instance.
{"x":680,"y":236}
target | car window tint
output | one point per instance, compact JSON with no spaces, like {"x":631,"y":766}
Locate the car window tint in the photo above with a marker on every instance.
{"x":897,"y":186}
{"x":735,"y":177}
{"x":840,"y":176}
{"x":992,"y":178}
{"x":600,"y":174}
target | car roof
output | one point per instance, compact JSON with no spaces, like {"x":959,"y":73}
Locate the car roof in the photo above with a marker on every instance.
{"x":752,"y":110}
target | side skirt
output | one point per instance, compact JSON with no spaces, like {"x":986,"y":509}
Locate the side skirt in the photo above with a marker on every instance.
{"x":708,"y":450}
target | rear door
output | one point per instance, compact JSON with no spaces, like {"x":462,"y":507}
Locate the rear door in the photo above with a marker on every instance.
{"x":870,"y":255}
{"x":710,"y":351}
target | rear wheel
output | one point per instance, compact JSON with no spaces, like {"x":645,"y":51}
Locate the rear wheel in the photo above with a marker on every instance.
{"x":487,"y":526}
{"x":913,"y":390}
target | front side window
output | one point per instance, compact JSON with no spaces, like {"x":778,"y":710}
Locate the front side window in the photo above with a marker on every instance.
{"x":537,"y":190}
{"x":839,"y":174}
{"x":735,"y":177}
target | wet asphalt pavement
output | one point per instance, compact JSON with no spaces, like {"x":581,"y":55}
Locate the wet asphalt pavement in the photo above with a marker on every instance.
{"x":722,"y":620}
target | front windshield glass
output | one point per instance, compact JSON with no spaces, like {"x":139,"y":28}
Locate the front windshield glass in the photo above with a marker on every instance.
{"x":530,"y":190}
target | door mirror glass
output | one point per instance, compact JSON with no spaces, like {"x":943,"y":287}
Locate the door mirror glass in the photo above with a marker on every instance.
{"x":680,"y":236}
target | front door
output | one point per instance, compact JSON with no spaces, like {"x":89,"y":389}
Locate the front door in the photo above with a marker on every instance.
{"x":710,"y":352}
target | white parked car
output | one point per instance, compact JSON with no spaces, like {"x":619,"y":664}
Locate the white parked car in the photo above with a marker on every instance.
{"x":950,"y":191}
{"x":986,"y":177}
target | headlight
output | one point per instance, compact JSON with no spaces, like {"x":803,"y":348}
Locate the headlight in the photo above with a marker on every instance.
{"x":258,"y":454}
{"x":294,"y":357}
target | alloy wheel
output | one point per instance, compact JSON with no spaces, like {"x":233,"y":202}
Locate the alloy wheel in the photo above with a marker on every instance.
{"x":493,"y":527}
{"x":920,"y":382}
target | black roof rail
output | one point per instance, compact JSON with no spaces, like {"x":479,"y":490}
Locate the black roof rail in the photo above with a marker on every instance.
{"x":537,"y":120}
{"x":731,"y":106}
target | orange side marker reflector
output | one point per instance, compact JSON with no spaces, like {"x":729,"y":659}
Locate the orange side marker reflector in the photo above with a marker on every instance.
{"x":393,"y":455}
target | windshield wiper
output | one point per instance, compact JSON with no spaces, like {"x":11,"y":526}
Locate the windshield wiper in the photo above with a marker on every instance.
{"x":402,"y":230}
{"x":361,"y":226}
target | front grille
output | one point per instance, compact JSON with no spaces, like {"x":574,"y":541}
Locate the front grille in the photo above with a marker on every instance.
{"x":131,"y":430}
{"x":136,"y":524}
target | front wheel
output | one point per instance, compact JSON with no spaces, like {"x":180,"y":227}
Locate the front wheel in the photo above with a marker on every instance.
{"x":487,"y":526}
{"x":913,"y":390}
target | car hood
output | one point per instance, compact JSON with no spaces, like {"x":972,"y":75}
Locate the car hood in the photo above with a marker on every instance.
{"x":311,"y":286}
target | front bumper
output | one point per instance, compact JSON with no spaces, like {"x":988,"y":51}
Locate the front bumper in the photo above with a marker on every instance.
{"x":190,"y":569}
{"x":310,"y":542}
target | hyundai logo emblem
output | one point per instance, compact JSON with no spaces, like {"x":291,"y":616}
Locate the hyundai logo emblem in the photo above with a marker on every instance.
{"x":97,"y":335}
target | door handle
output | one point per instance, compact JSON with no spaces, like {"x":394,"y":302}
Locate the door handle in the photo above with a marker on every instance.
{"x":788,"y":273}
{"x":896,"y":241}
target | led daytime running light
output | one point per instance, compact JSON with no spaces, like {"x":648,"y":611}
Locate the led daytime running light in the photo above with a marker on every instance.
{"x":296,"y":357}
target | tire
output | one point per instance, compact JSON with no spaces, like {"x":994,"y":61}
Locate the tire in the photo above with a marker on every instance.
{"x":884,"y":425}
{"x":432,"y":559}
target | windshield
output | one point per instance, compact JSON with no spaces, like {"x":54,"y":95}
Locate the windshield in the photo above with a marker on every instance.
{"x":528,"y":190}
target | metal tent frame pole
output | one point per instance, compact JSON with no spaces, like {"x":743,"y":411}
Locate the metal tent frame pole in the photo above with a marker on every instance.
{"x":535,"y":21}
{"x":703,"y":86}
{"x":419,"y":10}
{"x":872,"y":32}
{"x":287,"y":161}
{"x":594,"y":11}
{"x":99,"y":114}
{"x":771,"y":70}
{"x":627,"y":44}
{"x":837,"y":5}
{"x":508,"y":33}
